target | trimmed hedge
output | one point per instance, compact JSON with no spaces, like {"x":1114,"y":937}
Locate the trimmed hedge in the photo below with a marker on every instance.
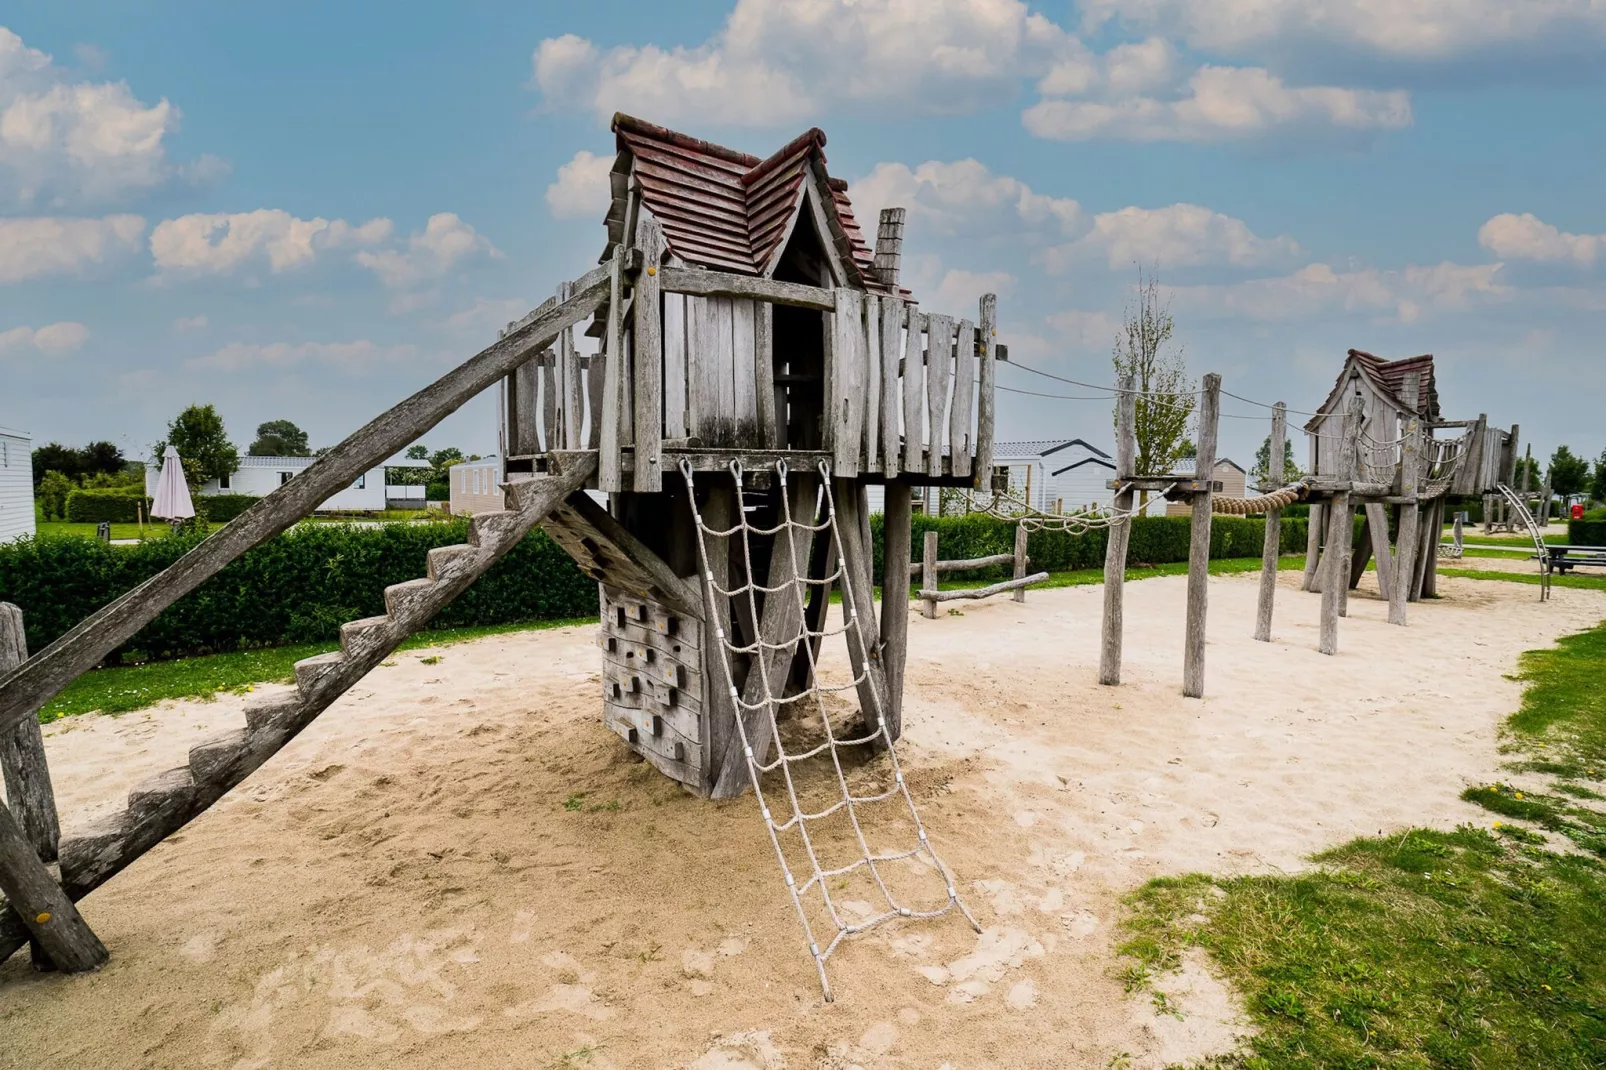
{"x":222,"y":508}
{"x":1586,"y":532}
{"x":95,"y":506}
{"x":299,"y":587}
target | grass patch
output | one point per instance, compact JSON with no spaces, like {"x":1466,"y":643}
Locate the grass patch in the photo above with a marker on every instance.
{"x":1221,"y":566}
{"x":134,"y":687}
{"x":1588,"y":583}
{"x":62,"y":529}
{"x":1473,"y":948}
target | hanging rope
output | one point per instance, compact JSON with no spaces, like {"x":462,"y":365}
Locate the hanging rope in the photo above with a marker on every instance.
{"x":769,"y":700}
{"x":1277,"y":499}
{"x":1005,"y":506}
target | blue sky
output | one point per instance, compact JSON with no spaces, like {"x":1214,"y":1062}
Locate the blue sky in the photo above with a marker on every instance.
{"x":308,"y":211}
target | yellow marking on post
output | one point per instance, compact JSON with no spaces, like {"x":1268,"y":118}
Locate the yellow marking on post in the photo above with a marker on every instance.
{"x":43,"y":917}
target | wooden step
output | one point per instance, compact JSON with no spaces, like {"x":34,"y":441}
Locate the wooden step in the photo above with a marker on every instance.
{"x":492,"y":531}
{"x":445,"y":560}
{"x":400,"y":597}
{"x":310,"y":670}
{"x":359,"y":637}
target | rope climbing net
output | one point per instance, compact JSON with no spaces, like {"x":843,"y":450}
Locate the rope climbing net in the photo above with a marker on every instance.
{"x":765,"y":698}
{"x":1005,"y":506}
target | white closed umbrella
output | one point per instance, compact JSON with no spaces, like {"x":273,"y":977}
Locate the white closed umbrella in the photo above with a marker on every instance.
{"x":172,"y":500}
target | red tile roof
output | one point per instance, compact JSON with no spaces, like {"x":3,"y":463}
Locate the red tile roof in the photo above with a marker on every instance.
{"x":725,"y":209}
{"x":1390,"y":374}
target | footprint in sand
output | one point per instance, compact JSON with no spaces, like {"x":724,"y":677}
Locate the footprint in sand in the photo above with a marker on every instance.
{"x":1021,"y":996}
{"x":523,"y":922}
{"x":998,"y":950}
{"x":1080,"y":924}
{"x":747,"y":1050}
{"x":202,"y":947}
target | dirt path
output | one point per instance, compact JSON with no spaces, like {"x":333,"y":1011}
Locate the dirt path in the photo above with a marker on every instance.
{"x":456,"y":866}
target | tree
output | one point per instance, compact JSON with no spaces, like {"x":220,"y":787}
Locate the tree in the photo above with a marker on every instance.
{"x":52,"y":494}
{"x":203,"y":444}
{"x":1261,"y":471}
{"x":419,"y":452}
{"x":279,"y":438}
{"x":1597,"y":485}
{"x":1166,"y":396}
{"x":1531,"y":467}
{"x":1568,"y":473}
{"x":97,"y":458}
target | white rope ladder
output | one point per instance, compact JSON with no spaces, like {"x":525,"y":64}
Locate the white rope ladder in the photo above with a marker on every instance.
{"x":770,"y":701}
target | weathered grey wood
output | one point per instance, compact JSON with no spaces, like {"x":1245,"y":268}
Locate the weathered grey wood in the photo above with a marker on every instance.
{"x":674,"y":373}
{"x":985,"y":391}
{"x":928,"y":576}
{"x":1017,"y":584}
{"x":895,"y":528}
{"x":1313,"y":547}
{"x":914,"y":395}
{"x":891,"y":388}
{"x":939,"y":373}
{"x":718,"y":512}
{"x":1430,"y":553}
{"x":1459,"y":536}
{"x":1272,"y":547}
{"x":524,"y":406}
{"x":961,"y":440}
{"x":1544,"y":502}
{"x":744,"y":407}
{"x":1020,"y":558}
{"x":769,"y":400}
{"x":1340,"y":533}
{"x":651,"y":359}
{"x":605,"y":402}
{"x":782,"y":619}
{"x":41,"y":905}
{"x":568,"y":371}
{"x":1119,"y":535}
{"x":703,"y":283}
{"x":1193,"y":650}
{"x":43,"y":676}
{"x":1377,"y":524}
{"x":1405,"y":556}
{"x":1360,"y":559}
{"x":858,"y":601}
{"x":702,"y":368}
{"x":723,"y":420}
{"x":872,"y":383}
{"x":22,"y":753}
{"x":551,"y":409}
{"x":844,"y":376}
{"x":1350,"y":460}
{"x":972,"y":563}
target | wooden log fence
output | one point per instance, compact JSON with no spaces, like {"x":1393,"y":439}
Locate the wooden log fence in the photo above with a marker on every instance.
{"x":931,"y":568}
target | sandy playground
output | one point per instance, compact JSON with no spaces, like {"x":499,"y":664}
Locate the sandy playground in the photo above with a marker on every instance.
{"x":457,"y":866}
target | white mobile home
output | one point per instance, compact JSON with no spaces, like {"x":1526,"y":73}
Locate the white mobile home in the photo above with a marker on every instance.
{"x":476,"y":486}
{"x":16,"y":485}
{"x":261,"y":476}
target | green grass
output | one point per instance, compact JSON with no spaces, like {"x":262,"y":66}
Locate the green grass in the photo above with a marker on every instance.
{"x":1221,"y":566}
{"x":134,"y":687}
{"x":1473,"y":948}
{"x":56,"y":529}
{"x":1572,"y":579}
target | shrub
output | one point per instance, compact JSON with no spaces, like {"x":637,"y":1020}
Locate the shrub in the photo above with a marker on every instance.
{"x":53,"y":491}
{"x":117,"y":505}
{"x":222,"y":508}
{"x":1587,"y":532}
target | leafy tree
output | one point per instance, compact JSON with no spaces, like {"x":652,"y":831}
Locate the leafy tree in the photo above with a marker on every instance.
{"x":1260,"y":472}
{"x":1166,"y":396}
{"x":1597,"y":485}
{"x":52,"y":495}
{"x":1568,"y":473}
{"x":1531,"y":467}
{"x":54,"y":457}
{"x":279,"y":438}
{"x":203,"y":444}
{"x":74,"y":463}
{"x":419,"y":452}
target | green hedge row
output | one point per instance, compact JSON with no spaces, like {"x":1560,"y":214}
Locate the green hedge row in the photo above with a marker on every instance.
{"x":95,"y":506}
{"x":299,"y":587}
{"x":1155,"y":540}
{"x":1586,"y":532}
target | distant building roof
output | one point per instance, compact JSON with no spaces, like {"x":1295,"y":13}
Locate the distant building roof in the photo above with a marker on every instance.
{"x":1185,"y":466}
{"x":1389,"y":377}
{"x":1042,"y":447}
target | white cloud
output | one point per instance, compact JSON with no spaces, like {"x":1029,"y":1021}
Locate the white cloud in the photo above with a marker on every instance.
{"x":1215,"y":104}
{"x":780,"y":61}
{"x":487,"y":314}
{"x":185,"y":324}
{"x":342,"y":356}
{"x":1317,"y":290}
{"x":1086,"y":330}
{"x":1180,"y":235}
{"x":217,"y":243}
{"x":48,"y":246}
{"x":62,"y":141}
{"x":444,"y":242}
{"x":948,"y":197}
{"x":1403,"y":29}
{"x":52,"y":338}
{"x":959,"y":292}
{"x":1526,"y":237}
{"x":582,"y":189}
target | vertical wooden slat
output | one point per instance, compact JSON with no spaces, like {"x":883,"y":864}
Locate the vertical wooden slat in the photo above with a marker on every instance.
{"x":985,"y":391}
{"x":649,"y":360}
{"x":961,"y":440}
{"x":873,"y":383}
{"x":525,"y":436}
{"x":1271,"y":547}
{"x":1019,"y":594}
{"x":891,"y":389}
{"x":939,"y":370}
{"x":1120,"y":533}
{"x":863,"y":656}
{"x":702,"y":379}
{"x":1193,"y":651}
{"x":22,"y":753}
{"x":914,"y":394}
{"x":551,"y":411}
{"x":895,"y":529}
{"x":744,"y":345}
{"x":845,"y":367}
{"x":674,"y":374}
{"x":1340,"y":533}
{"x":1377,"y":531}
{"x":928,"y":575}
{"x":769,"y":398}
{"x":569,"y":387}
{"x":1410,"y":512}
{"x":605,"y":420}
{"x":596,"y":375}
{"x":724,"y":358}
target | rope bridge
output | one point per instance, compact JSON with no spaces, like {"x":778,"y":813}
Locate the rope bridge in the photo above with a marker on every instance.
{"x":1277,"y":499}
{"x":770,"y":699}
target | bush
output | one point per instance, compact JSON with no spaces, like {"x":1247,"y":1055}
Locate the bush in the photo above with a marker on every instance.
{"x":222,"y":508}
{"x":117,"y":505}
{"x":299,"y":587}
{"x":1587,"y":532}
{"x":438,"y":491}
{"x":52,"y":494}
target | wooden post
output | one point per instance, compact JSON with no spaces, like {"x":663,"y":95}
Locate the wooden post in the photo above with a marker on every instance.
{"x":1316,"y":525}
{"x":1020,"y":561}
{"x":649,"y":361}
{"x":1430,"y":553}
{"x":858,"y":599}
{"x":928,"y":575}
{"x":1271,"y":547}
{"x":52,"y":920}
{"x":1340,"y":535}
{"x":1459,"y":536}
{"x":1410,"y":511}
{"x":22,"y":753}
{"x":605,"y":422}
{"x":939,"y":370}
{"x":895,"y":527}
{"x":1193,"y":650}
{"x":1377,"y":530}
{"x":1119,"y":535}
{"x":985,"y":389}
{"x":1544,"y":502}
{"x":914,"y":393}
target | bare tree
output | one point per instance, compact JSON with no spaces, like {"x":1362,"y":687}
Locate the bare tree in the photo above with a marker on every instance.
{"x":1166,"y":396}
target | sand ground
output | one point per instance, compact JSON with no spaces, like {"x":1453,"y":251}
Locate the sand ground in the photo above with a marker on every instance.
{"x":457,"y":866}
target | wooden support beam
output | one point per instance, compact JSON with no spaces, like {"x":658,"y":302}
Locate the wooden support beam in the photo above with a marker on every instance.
{"x":605,"y":437}
{"x":1119,"y":535}
{"x":858,"y":602}
{"x":1271,"y":546}
{"x":1019,"y":561}
{"x":22,"y":753}
{"x":1405,"y":539}
{"x":1313,"y":547}
{"x":1430,"y":553}
{"x":648,"y":353}
{"x":986,"y":390}
{"x":1359,"y":561}
{"x":1193,"y":650}
{"x":895,"y":529}
{"x":1340,"y":537}
{"x":928,"y":576}
{"x":703,"y":283}
{"x":891,"y":388}
{"x":33,"y":894}
{"x":42,"y":677}
{"x":1377,"y":525}
{"x":1018,"y":585}
{"x":939,"y":373}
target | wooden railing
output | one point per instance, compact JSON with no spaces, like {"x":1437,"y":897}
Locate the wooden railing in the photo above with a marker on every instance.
{"x":931,"y":568}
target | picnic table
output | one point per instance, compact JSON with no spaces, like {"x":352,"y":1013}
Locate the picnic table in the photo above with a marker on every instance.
{"x":1558,"y":557}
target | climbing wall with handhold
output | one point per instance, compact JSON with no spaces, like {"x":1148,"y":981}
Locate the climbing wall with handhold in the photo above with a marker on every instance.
{"x":652,"y":684}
